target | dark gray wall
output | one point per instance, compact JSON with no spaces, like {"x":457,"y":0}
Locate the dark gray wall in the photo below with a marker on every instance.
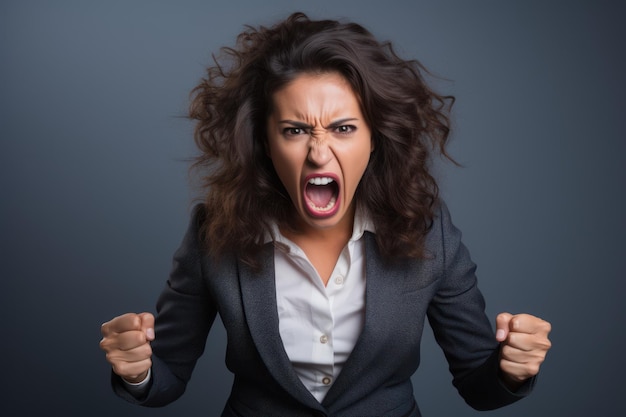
{"x":95,"y":196}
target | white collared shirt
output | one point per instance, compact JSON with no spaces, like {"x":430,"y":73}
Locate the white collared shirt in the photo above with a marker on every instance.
{"x":319,"y":325}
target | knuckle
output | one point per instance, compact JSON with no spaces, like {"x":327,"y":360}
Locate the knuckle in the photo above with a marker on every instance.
{"x":137,"y":338}
{"x":503,"y":317}
{"x":541,"y":356}
{"x":114,"y":358}
{"x":147,"y":317}
{"x":547,"y":327}
{"x":118,"y":368}
{"x":131,"y":339}
{"x":136,"y":321}
{"x":533,"y":368}
{"x":542,"y":344}
{"x":145,"y":351}
{"x":516,"y":322}
{"x":129,"y":320}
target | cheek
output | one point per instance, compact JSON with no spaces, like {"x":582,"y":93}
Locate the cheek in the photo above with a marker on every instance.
{"x":278,"y":157}
{"x":362,"y":158}
{"x":357,"y":169}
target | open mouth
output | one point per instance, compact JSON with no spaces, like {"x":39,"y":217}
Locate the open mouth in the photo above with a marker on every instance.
{"x":321,"y":194}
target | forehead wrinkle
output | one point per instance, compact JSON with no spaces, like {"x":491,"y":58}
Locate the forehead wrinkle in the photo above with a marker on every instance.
{"x":318,"y":110}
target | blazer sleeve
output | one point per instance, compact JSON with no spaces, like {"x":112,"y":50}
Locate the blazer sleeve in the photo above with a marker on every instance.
{"x":185,"y":314}
{"x":457,"y":317}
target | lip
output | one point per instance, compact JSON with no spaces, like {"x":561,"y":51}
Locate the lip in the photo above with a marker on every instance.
{"x":316,"y":214}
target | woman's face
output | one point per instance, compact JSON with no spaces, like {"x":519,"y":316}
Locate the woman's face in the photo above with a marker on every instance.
{"x":320,"y":145}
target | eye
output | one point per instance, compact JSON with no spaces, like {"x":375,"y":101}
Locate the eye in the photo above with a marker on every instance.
{"x":294,"y":131}
{"x":345,"y":129}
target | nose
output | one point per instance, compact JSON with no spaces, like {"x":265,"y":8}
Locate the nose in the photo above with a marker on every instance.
{"x":319,"y":152}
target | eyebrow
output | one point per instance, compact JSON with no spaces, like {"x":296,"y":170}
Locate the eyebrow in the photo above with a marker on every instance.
{"x":294,"y":123}
{"x":302,"y":125}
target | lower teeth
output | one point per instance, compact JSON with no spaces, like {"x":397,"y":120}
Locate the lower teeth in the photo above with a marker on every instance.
{"x":329,"y":206}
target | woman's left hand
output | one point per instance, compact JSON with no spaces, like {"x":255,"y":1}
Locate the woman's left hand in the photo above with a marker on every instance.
{"x":524,"y":344}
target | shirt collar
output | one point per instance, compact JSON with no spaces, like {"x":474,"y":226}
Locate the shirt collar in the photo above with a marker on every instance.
{"x":362,"y":223}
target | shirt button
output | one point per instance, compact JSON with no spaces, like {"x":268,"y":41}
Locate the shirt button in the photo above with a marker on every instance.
{"x":324,"y":339}
{"x":326,"y":380}
{"x":339,"y":280}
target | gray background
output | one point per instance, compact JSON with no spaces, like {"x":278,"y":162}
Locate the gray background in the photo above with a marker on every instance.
{"x":95,"y":193}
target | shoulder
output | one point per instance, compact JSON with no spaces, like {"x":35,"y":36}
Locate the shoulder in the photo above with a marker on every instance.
{"x":193,"y":235}
{"x":442,"y":229}
{"x":443,"y":245}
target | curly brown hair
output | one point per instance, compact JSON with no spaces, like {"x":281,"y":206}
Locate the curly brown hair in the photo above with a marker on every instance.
{"x":408,"y":120}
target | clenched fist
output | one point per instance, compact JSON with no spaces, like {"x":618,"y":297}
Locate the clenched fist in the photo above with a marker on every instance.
{"x":126,"y":341}
{"x":524,"y":344}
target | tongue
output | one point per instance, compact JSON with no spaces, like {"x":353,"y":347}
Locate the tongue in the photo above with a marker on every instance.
{"x":320,"y":195}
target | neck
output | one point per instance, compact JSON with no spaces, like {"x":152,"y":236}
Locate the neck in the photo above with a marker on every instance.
{"x":322,"y":246}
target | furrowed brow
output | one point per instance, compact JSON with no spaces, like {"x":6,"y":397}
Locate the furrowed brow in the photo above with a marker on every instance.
{"x":341,"y":122}
{"x":296,"y":124}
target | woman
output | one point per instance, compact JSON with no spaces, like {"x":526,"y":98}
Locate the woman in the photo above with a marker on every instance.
{"x":321,"y":243}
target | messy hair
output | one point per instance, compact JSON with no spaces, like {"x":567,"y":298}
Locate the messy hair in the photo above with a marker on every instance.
{"x":243,"y":195}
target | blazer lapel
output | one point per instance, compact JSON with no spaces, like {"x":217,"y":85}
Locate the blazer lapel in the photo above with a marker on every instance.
{"x":384,"y":282}
{"x":258,"y":293}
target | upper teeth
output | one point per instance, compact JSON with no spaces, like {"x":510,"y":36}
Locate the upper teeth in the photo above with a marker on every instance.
{"x":320,"y":180}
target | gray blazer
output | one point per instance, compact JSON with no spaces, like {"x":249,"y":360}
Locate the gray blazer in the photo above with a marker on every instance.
{"x":375,"y":380}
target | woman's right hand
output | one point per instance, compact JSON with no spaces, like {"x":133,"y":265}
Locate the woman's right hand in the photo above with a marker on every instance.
{"x":126,"y":341}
